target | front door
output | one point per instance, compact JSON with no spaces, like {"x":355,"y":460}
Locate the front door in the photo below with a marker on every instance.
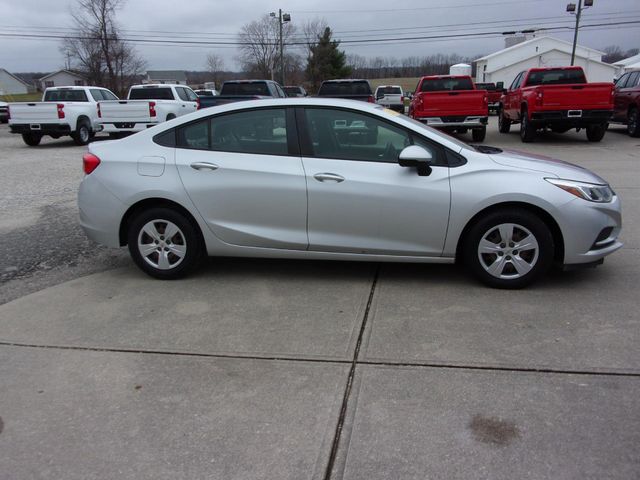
{"x":360,"y":199}
{"x":246,"y":184}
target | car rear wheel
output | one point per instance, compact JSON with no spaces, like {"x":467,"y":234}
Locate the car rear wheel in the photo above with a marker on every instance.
{"x":31,"y":139}
{"x":164,"y":244}
{"x":504,"y":124}
{"x":509,"y":249}
{"x":633,"y":123}
{"x":527,"y":130}
{"x":82,"y":135}
{"x":479,"y":134}
{"x":595,"y":133}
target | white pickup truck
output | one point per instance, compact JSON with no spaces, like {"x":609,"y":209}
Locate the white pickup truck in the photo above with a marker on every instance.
{"x":145,"y":107}
{"x":63,"y":111}
{"x":390,"y":96}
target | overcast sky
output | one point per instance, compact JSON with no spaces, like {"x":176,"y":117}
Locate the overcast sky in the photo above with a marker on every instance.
{"x":221,"y":20}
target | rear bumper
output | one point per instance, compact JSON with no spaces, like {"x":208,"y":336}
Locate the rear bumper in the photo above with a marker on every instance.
{"x":469,"y":121}
{"x":127,"y":127}
{"x":41,"y":128}
{"x":573,"y":118}
{"x":398,"y":107}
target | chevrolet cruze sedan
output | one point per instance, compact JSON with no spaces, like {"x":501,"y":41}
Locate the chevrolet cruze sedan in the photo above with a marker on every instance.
{"x":339,"y":180}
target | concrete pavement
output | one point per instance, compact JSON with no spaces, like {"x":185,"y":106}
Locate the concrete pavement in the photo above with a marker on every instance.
{"x":315,"y":370}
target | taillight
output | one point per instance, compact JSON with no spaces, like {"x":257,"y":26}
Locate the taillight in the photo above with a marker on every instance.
{"x":8,"y":112}
{"x":152,"y":109}
{"x":198,"y":102}
{"x":485,"y":99}
{"x":60,"y":110}
{"x":371,"y":99}
{"x":99,"y":112}
{"x":89,"y":162}
{"x":401,"y":99}
{"x":539,"y":98}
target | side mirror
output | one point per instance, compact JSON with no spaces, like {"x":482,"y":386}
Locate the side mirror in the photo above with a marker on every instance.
{"x":416,"y":156}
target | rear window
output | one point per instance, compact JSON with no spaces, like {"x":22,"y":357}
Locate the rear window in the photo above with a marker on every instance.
{"x":345,"y":88}
{"x":292,"y":91}
{"x":388,"y":91}
{"x":440,"y":84}
{"x":556,"y":77}
{"x":151,"y":93}
{"x":65,"y":96}
{"x":245,"y":88}
{"x":486,"y":86}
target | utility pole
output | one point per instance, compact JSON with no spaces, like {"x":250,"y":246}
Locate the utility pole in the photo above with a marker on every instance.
{"x":282,"y":19}
{"x":571,"y":8}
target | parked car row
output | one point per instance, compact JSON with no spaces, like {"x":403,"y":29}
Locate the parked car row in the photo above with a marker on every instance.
{"x":555,"y":98}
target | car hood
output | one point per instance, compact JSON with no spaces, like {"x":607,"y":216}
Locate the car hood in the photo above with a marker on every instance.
{"x":551,"y":166}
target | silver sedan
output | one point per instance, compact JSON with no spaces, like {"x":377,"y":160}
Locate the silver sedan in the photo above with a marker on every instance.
{"x":339,"y":180}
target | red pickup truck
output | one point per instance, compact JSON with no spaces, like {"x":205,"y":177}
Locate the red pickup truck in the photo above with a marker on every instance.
{"x":451,"y":103}
{"x":558,"y":98}
{"x":626,"y":102}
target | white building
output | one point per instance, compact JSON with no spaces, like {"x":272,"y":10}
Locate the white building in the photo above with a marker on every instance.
{"x":176,"y":77}
{"x":62,"y":78}
{"x":627,"y":64}
{"x":504,"y":65}
{"x":11,"y":85}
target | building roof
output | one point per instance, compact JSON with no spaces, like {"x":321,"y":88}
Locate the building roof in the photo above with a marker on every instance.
{"x":178,"y":75}
{"x":69,"y":72}
{"x":599,"y":62}
{"x":625,"y":62}
{"x":534,"y":40}
{"x":13,"y":76}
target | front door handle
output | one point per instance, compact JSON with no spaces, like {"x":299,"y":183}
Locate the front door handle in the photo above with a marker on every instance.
{"x":204,"y":166}
{"x":328,"y":177}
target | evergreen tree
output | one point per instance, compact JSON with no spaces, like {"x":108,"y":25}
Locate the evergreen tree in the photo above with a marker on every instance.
{"x":325,"y":61}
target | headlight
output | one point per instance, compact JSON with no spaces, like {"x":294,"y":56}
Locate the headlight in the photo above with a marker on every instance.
{"x":587,"y":191}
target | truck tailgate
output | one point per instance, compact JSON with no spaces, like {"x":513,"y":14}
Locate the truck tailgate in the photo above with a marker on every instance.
{"x":125,"y":111}
{"x":456,"y":102}
{"x":576,"y":97}
{"x":39,"y":112}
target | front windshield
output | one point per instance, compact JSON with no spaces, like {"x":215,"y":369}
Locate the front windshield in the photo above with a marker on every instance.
{"x":450,"y":138}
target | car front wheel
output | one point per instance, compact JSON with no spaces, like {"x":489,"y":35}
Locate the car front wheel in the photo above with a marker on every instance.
{"x":164,"y":244}
{"x":509,"y":249}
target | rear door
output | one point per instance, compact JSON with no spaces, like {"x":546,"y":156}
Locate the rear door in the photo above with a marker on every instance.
{"x":360,"y":199}
{"x":244,"y":174}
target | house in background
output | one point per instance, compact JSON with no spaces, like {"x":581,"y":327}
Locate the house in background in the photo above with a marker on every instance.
{"x":627,"y":64}
{"x":504,"y":65}
{"x":12,"y":85}
{"x":62,"y":78}
{"x":178,"y":77}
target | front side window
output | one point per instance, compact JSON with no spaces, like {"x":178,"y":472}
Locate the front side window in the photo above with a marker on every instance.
{"x":621,"y":82}
{"x":349,"y":135}
{"x":182,"y":94}
{"x":191,"y":95}
{"x":108,"y":95}
{"x":97,"y":94}
{"x":261,"y":132}
{"x":516,"y":81}
{"x":633,"y":80}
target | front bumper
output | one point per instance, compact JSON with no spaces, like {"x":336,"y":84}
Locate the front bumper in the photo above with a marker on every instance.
{"x":470,"y":121}
{"x":41,"y":128}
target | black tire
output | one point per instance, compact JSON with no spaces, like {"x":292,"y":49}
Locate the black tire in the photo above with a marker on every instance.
{"x":82,"y":135}
{"x":533,"y":262}
{"x":171,"y":116}
{"x":479,"y":134}
{"x":527,"y":131}
{"x":32,"y":139}
{"x":595,"y":133}
{"x":187,"y":238}
{"x":633,"y":123}
{"x":115,"y":135}
{"x":504,"y":124}
{"x":461,"y":130}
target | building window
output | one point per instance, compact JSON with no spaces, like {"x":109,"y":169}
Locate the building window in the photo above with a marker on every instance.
{"x":49,"y":83}
{"x":78,"y":83}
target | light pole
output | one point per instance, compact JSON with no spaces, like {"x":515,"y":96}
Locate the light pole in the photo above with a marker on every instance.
{"x":571,"y":8}
{"x":282,"y":19}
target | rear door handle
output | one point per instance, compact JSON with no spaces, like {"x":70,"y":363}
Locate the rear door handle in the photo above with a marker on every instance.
{"x":328,"y":177}
{"x":204,"y":166}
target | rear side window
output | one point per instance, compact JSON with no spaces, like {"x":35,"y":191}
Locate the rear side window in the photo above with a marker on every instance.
{"x":65,"y":96}
{"x":246,"y":88}
{"x":151,"y":93}
{"x":446,"y":84}
{"x":345,"y":88}
{"x":194,"y":136}
{"x":556,"y":77}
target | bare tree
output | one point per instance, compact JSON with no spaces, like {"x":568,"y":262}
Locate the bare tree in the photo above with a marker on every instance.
{"x":215,"y":65}
{"x":97,"y":49}
{"x":259,"y":45}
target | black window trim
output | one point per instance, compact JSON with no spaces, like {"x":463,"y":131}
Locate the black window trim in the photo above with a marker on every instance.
{"x":306,"y":145}
{"x":293,"y":145}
